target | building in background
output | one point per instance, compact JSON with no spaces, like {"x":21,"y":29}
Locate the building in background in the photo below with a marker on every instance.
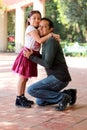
{"x":19,"y":7}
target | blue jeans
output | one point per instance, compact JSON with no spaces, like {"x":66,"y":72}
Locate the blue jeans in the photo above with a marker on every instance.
{"x":47,"y":90}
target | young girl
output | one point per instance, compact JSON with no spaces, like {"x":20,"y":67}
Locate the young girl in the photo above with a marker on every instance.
{"x":22,"y":65}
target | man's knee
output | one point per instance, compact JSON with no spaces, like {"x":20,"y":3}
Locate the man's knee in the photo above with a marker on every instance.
{"x":30,"y":90}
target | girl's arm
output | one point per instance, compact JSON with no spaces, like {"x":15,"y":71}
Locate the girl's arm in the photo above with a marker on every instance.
{"x":42,"y":39}
{"x":57,"y":37}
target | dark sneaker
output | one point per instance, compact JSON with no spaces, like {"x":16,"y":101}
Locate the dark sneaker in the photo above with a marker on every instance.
{"x":28,"y":101}
{"x":73,"y":94}
{"x":21,"y":103}
{"x":63,"y":103}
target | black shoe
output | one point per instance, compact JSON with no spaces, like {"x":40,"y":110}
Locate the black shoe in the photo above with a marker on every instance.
{"x":63,"y":103}
{"x":73,"y":94}
{"x":21,"y":103}
{"x":26,"y":100}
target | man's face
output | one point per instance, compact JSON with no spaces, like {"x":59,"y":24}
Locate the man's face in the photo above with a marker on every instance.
{"x":44,"y":28}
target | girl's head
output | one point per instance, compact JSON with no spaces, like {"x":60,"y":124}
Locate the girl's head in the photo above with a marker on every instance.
{"x":34,"y":18}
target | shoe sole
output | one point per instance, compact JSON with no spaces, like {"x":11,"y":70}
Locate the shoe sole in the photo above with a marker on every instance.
{"x":23,"y":106}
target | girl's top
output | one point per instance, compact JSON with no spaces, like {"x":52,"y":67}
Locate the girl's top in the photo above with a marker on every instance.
{"x":30,"y":41}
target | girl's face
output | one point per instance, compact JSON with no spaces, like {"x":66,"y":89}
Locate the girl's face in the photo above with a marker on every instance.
{"x":35,"y":20}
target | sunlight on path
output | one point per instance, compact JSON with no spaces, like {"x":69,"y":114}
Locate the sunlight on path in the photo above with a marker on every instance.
{"x":76,"y":62}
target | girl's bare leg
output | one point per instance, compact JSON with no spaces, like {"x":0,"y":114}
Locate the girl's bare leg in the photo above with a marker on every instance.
{"x":21,"y":100}
{"x":21,"y":85}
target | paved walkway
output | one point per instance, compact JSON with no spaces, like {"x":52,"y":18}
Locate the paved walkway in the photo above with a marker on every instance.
{"x":42,"y":118}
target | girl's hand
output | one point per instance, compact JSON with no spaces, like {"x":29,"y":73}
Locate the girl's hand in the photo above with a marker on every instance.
{"x":27,"y":53}
{"x":56,"y":36}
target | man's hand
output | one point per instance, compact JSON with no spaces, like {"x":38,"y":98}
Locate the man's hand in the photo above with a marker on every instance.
{"x":27,"y":53}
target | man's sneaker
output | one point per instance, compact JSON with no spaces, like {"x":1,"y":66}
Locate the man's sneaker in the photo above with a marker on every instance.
{"x":73,"y":94}
{"x":63,"y":103}
{"x":21,"y":103}
{"x":26,"y":100}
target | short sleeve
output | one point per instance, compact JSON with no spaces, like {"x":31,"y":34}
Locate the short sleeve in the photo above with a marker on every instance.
{"x":29,"y":29}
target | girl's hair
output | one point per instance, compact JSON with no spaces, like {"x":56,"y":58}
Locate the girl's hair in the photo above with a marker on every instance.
{"x":32,"y":13}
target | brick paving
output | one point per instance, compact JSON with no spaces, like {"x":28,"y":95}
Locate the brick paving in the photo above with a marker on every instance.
{"x":42,"y":118}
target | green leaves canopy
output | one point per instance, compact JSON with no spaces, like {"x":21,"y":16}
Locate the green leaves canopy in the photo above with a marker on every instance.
{"x":73,"y":13}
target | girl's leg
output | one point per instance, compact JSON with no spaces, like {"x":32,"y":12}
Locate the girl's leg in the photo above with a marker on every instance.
{"x":21,"y":85}
{"x":21,"y":100}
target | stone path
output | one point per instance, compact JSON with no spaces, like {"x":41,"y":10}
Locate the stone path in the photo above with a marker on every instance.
{"x":42,"y":118}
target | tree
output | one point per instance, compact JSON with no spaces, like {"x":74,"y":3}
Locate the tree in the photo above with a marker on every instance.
{"x":11,"y":23}
{"x":73,"y":13}
{"x":53,"y":14}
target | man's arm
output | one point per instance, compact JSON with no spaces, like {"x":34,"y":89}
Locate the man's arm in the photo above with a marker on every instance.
{"x":36,"y":59}
{"x":29,"y":55}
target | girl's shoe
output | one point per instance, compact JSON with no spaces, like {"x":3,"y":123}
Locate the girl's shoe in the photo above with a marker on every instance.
{"x":26,"y":100}
{"x":21,"y":103}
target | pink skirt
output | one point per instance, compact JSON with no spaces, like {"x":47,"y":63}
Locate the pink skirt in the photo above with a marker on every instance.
{"x":24,"y":66}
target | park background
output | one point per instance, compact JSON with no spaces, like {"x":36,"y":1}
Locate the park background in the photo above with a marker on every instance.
{"x":70,"y":22}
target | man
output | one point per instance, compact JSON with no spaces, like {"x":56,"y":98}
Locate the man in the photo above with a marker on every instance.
{"x":48,"y":90}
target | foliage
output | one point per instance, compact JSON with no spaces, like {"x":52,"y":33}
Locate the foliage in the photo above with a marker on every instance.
{"x":11,"y":30}
{"x":27,"y":10}
{"x":73,"y":14}
{"x":50,"y":12}
{"x":11,"y":23}
{"x":69,"y":18}
{"x":53,"y":14}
